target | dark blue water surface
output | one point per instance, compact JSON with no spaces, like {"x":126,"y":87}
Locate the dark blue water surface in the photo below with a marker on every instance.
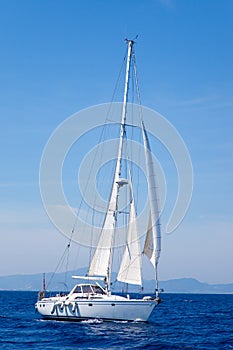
{"x":181,"y":321}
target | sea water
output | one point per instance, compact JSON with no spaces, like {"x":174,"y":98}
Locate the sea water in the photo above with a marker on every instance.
{"x":181,"y":321}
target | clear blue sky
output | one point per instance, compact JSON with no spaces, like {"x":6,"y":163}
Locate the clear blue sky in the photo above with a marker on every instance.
{"x":59,"y":56}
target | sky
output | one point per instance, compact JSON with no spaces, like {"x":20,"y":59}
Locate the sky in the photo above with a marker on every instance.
{"x":59,"y":57}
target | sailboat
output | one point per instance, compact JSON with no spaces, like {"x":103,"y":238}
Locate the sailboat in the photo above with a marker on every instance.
{"x":93,"y":297}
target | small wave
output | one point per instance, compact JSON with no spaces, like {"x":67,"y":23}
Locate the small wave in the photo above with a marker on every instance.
{"x":43,"y":320}
{"x":92,"y":321}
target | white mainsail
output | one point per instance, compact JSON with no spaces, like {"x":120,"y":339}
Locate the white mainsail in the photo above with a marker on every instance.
{"x":100,"y":262}
{"x":131,"y":267}
{"x":152,"y":246}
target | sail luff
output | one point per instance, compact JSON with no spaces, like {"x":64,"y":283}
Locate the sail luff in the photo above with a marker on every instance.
{"x":152,"y":245}
{"x":102,"y":258}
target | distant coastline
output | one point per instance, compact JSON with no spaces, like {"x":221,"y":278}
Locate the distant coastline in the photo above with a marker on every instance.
{"x":33,"y":282}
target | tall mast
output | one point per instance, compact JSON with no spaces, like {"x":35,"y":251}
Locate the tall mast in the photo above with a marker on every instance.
{"x":124,"y":108}
{"x":119,"y":156}
{"x":101,"y":263}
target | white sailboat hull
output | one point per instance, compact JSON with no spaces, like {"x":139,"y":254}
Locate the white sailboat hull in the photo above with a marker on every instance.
{"x":106,"y":309}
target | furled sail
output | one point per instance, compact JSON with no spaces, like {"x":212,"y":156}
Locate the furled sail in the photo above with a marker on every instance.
{"x":152,"y":246}
{"x":130,"y":269}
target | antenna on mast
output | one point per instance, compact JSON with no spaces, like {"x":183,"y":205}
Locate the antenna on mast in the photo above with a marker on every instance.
{"x":131,"y":40}
{"x":44,"y":283}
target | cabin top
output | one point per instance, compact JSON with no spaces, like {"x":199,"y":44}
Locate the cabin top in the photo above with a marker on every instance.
{"x":87,"y":289}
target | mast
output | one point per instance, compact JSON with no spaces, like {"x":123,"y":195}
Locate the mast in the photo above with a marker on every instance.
{"x":44,"y":283}
{"x":119,"y":157}
{"x":101,"y":263}
{"x":124,"y":110}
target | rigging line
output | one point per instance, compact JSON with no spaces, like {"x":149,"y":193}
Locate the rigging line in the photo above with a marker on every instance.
{"x":91,"y":247}
{"x":67,"y":262}
{"x":132,"y":106}
{"x":140,"y":109}
{"x":75,"y":264}
{"x":112,"y":99}
{"x":106,"y":126}
{"x":86,"y":186}
{"x":60,"y":262}
{"x":136,"y":82}
{"x":139,"y":102}
{"x":118,"y":78}
{"x":99,"y":141}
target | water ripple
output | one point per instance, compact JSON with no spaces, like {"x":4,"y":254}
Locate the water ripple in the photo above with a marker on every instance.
{"x":180,"y":322}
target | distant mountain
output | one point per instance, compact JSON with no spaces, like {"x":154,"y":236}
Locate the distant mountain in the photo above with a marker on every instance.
{"x":58,"y":281}
{"x":191,"y":285}
{"x":62,"y":281}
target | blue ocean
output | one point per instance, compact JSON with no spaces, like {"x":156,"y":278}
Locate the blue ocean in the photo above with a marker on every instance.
{"x":181,"y":321}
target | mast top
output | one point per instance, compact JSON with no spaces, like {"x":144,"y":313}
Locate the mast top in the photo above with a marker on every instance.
{"x":131,"y":41}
